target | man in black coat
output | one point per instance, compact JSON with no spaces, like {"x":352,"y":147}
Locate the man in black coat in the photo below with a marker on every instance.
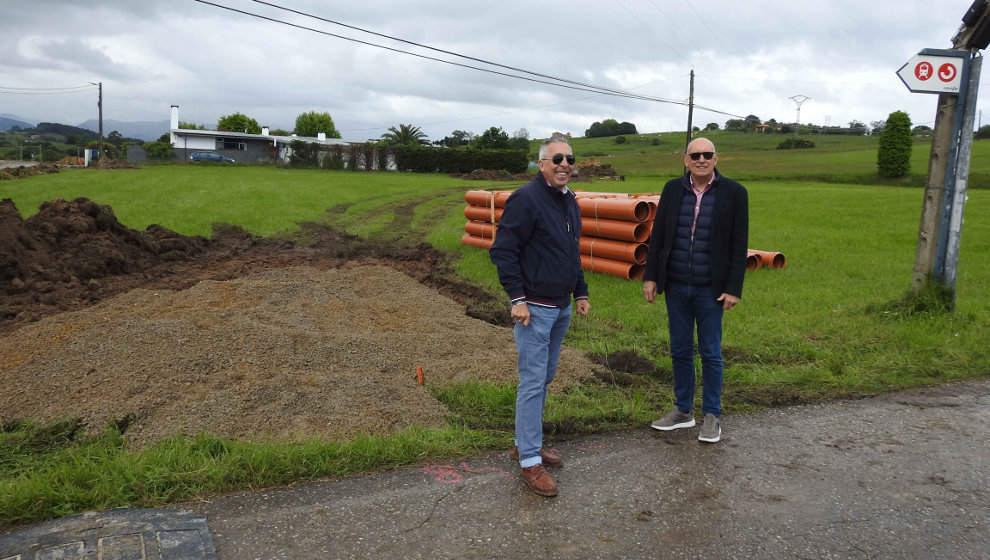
{"x":697,"y":258}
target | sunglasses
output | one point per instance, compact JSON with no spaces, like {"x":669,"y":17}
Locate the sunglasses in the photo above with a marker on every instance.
{"x":697,"y":155}
{"x":557,"y":158}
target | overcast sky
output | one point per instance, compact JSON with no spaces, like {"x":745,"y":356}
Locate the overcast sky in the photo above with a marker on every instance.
{"x":749,"y":57}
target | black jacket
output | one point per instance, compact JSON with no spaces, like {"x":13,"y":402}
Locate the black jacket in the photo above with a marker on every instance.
{"x":729,"y":234}
{"x":536,"y":248}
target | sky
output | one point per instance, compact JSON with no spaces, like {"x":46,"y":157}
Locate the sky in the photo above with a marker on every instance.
{"x":748,"y":58}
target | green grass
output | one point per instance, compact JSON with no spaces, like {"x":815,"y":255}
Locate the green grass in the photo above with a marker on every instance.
{"x":190,"y":199}
{"x":49,"y":471}
{"x":748,"y":157}
{"x":830,"y":324}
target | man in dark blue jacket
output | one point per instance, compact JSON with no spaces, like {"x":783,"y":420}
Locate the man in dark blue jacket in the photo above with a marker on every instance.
{"x":537,"y":254}
{"x":697,"y":258}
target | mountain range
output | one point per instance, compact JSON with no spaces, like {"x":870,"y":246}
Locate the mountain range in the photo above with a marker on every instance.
{"x":149,"y":131}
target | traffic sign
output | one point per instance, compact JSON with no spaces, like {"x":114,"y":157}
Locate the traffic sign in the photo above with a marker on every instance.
{"x":928,"y":72}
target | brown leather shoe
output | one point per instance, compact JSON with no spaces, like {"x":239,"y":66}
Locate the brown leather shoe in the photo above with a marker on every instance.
{"x":540,"y":481}
{"x":551,"y":460}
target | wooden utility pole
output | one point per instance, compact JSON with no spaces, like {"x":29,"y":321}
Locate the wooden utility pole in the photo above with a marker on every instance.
{"x":690,"y":126}
{"x":931,"y":208}
{"x":100,"y":105}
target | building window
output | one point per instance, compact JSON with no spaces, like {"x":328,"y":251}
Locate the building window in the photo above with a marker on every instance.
{"x":223,"y":144}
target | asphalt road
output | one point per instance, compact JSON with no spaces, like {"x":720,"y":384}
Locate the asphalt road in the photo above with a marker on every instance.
{"x":900,"y":476}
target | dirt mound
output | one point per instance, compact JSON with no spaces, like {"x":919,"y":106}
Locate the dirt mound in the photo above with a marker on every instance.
{"x":23,"y":171}
{"x":57,"y":258}
{"x":588,"y":168}
{"x":237,"y":335}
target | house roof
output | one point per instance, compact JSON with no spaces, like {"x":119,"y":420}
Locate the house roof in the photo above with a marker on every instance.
{"x":246,"y":136}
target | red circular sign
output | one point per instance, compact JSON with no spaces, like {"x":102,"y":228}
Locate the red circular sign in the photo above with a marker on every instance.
{"x":947,"y":72}
{"x":923,"y":71}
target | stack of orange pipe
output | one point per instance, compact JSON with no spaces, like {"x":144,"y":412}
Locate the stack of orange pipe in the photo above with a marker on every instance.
{"x":614,"y":228}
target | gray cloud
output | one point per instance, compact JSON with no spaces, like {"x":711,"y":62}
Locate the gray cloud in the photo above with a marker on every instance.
{"x":151,"y":54}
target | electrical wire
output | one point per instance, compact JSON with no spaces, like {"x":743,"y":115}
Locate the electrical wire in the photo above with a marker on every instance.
{"x":44,"y":91}
{"x":563,"y":83}
{"x":451,"y":53}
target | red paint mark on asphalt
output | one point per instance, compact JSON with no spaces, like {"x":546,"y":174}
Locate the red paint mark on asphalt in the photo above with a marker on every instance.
{"x":448,"y":474}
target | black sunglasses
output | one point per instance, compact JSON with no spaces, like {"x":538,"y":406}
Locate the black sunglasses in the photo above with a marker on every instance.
{"x":697,"y":155}
{"x":557,"y":158}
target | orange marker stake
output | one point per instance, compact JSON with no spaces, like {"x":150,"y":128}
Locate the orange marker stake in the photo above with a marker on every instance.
{"x":419,"y":374}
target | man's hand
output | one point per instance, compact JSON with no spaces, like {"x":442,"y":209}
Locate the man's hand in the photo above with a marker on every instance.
{"x":520,"y":314}
{"x":650,"y":291}
{"x":583,"y":306}
{"x":728,"y":301}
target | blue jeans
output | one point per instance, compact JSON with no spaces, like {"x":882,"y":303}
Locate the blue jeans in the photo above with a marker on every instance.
{"x":539,"y":351}
{"x":688,"y":306}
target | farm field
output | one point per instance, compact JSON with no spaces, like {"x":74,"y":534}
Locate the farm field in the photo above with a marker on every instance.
{"x":282,"y":313}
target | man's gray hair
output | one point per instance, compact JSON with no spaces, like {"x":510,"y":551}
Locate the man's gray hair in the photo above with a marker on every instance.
{"x":555,"y":139}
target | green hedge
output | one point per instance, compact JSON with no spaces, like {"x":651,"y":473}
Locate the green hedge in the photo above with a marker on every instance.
{"x":449,"y":160}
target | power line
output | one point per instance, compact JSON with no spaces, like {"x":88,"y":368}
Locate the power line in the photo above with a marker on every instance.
{"x":658,"y":38}
{"x":451,"y":53}
{"x":703,"y":22}
{"x":565,"y":83}
{"x":43,"y":91}
{"x":579,"y":86}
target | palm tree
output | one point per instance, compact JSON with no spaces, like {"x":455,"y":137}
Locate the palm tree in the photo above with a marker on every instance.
{"x":406,"y":134}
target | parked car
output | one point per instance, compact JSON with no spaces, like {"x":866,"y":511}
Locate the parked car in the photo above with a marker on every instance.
{"x":210,"y":156}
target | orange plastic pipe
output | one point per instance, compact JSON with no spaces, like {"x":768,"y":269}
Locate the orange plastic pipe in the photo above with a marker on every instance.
{"x":474,"y":240}
{"x":480,"y":229}
{"x":594,"y":194}
{"x":621,"y":269}
{"x":772,"y":259}
{"x":637,"y":232}
{"x":611,"y":249}
{"x":482,"y":213}
{"x":653,"y":200}
{"x":485,"y":198}
{"x":753,"y":261}
{"x":630,"y":210}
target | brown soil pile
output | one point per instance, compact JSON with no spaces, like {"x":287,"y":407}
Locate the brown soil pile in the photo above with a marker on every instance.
{"x":586,"y":169}
{"x":23,"y":171}
{"x":238,"y":336}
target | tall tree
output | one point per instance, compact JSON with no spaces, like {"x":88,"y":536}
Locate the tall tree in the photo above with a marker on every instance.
{"x":312,"y":123}
{"x":239,"y":122}
{"x":494,"y":138}
{"x":894,"y":149}
{"x":405,"y":135}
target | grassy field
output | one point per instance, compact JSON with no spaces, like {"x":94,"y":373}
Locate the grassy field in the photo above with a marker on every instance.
{"x":823,"y":327}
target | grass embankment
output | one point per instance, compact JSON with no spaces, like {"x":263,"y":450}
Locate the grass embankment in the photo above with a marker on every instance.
{"x":821,"y":328}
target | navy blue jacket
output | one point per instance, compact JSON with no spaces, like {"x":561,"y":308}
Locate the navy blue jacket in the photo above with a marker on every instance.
{"x":536,"y":248}
{"x":729,"y":239}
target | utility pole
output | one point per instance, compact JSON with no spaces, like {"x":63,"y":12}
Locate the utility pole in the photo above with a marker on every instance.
{"x":690,"y":112}
{"x":799,"y":99}
{"x":99,"y":104}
